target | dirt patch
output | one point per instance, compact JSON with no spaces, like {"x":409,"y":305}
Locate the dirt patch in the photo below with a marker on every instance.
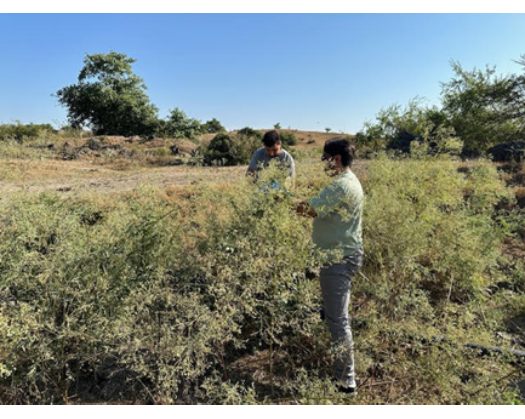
{"x":79,"y":176}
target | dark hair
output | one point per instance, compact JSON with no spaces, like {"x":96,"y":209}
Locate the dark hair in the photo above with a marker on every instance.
{"x":341,"y":147}
{"x":271,"y":138}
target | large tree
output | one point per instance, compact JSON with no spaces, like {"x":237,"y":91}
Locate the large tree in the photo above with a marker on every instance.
{"x":109,"y":98}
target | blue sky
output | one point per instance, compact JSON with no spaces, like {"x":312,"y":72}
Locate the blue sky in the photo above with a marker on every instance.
{"x":304,"y":71}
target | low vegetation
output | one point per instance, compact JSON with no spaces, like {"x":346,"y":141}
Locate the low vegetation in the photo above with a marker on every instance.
{"x":209,"y":294}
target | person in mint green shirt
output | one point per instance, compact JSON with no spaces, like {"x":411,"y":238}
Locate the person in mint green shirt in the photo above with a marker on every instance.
{"x":337,"y":226}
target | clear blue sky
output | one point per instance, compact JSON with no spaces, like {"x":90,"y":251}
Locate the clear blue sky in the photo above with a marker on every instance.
{"x":304,"y":71}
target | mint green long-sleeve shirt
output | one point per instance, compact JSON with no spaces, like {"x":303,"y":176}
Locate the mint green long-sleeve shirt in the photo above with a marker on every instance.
{"x":339,"y":208}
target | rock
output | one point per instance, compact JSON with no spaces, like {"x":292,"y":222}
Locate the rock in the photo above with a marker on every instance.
{"x":94,"y":144}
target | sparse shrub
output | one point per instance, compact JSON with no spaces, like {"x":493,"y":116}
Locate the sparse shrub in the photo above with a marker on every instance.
{"x":398,"y":129}
{"x":480,"y":106}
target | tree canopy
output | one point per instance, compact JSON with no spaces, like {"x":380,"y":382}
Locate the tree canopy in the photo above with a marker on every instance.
{"x":109,"y":97}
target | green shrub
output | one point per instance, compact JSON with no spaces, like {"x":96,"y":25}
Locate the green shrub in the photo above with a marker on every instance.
{"x":230,"y":150}
{"x":20,"y":132}
{"x":249,"y":132}
{"x":213,"y":126}
{"x":179,"y":125}
{"x":203,"y":296}
{"x":288,"y":138}
{"x":164,"y":307}
{"x":420,"y":227}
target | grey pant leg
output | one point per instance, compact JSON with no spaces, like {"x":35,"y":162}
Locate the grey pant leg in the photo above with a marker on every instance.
{"x":336,"y":283}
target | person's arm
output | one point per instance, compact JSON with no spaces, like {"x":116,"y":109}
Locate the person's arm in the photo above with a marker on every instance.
{"x":292,"y":172}
{"x":292,"y":168}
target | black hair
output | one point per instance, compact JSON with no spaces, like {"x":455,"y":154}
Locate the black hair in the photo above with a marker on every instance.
{"x":341,"y":147}
{"x":271,"y":138}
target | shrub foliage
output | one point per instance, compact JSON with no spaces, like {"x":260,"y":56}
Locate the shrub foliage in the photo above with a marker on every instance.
{"x":205,"y":295}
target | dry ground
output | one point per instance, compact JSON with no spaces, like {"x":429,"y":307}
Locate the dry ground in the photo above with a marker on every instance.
{"x":76,"y":177}
{"x":72,"y":166}
{"x":79,"y":176}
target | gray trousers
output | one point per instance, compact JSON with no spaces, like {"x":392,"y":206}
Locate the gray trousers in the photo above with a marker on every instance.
{"x":336,"y":282}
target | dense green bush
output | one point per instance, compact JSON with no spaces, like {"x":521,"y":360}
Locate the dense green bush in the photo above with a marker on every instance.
{"x":213,"y":126}
{"x":221,"y":151}
{"x":249,"y":132}
{"x":179,"y":125}
{"x":230,"y":149}
{"x":20,"y":132}
{"x":202,"y":295}
{"x":237,"y":148}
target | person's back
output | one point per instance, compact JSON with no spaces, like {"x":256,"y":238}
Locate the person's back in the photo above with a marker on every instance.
{"x":271,"y":151}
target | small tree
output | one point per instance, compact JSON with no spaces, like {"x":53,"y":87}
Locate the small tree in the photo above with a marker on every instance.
{"x":396,"y":128}
{"x":221,"y":151}
{"x":179,"y":125}
{"x":277,"y":125}
{"x":485,"y":108}
{"x":213,"y":126}
{"x":328,"y":129}
{"x":109,"y":98}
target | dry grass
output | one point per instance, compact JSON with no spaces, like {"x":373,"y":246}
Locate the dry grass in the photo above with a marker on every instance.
{"x":82,"y":176}
{"x":116,"y":164}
